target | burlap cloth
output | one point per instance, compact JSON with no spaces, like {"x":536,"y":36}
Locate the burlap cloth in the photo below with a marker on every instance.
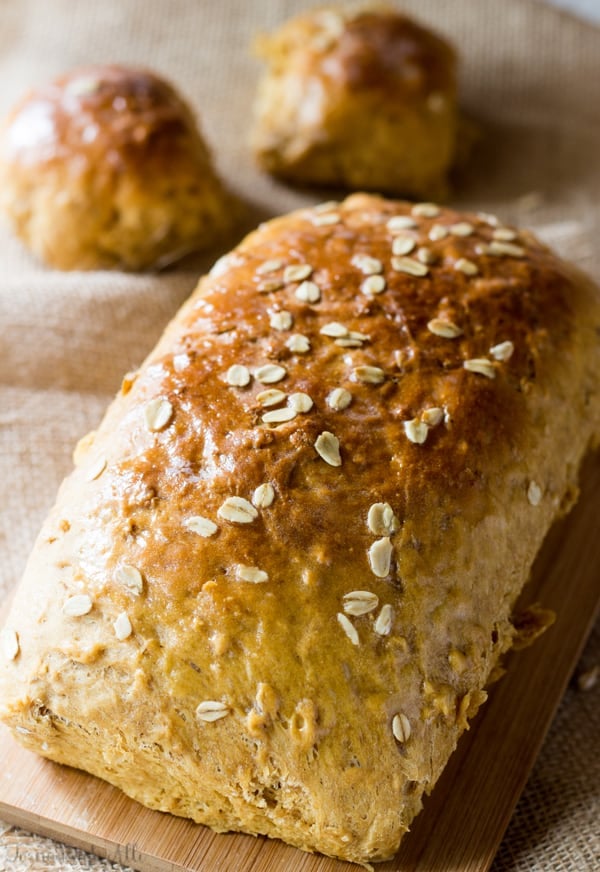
{"x":531,"y":76}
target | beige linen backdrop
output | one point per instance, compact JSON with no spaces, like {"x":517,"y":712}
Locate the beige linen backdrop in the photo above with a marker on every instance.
{"x":531,"y":78}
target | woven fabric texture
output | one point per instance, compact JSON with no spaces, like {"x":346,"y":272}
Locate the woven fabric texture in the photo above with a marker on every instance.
{"x":531,"y":81}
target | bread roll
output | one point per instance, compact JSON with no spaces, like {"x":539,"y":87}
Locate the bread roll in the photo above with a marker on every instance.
{"x":105,"y":167}
{"x":360,"y":99}
{"x":272,"y":592}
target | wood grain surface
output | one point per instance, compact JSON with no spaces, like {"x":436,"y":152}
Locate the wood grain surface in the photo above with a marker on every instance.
{"x":463,"y":820}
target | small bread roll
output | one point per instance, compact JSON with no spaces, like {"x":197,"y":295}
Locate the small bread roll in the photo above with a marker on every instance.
{"x":105,"y":167}
{"x":361,"y":99}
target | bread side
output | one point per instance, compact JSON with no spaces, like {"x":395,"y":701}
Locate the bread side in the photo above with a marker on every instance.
{"x":232,"y":621}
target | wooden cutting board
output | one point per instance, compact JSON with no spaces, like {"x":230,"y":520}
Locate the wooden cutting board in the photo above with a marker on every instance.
{"x":463,"y":821}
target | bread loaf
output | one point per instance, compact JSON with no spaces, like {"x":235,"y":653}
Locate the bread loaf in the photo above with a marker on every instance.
{"x":272,"y":592}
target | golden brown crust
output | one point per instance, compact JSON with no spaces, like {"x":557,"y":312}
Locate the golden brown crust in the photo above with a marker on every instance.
{"x":363,"y":99}
{"x":301,"y":661}
{"x":105,"y":167}
{"x":390,"y":52}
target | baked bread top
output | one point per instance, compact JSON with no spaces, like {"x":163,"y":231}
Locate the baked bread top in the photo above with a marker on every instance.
{"x":366,"y":48}
{"x":105,"y":166}
{"x":98,"y":112}
{"x":271,"y":593}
